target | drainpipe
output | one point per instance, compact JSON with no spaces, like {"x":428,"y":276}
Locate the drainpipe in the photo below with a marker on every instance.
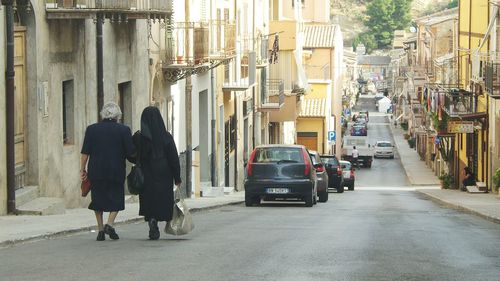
{"x":187,"y":107}
{"x":99,"y":60}
{"x":9,"y":94}
{"x":214,"y":145}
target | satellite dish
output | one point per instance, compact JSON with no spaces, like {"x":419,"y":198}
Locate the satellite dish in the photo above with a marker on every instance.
{"x":413,"y":29}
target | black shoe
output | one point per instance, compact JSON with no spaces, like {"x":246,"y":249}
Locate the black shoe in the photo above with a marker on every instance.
{"x":154,"y":231}
{"x":101,"y":236}
{"x":109,"y":230}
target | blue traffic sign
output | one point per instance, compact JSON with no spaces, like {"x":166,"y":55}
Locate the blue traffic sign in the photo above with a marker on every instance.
{"x":332,"y":136}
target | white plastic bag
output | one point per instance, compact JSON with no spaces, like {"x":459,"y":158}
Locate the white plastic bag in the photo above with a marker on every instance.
{"x":182,"y":222}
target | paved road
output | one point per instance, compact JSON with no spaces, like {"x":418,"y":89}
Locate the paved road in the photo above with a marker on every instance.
{"x":384,"y":172}
{"x":360,"y":235}
{"x":372,"y":233}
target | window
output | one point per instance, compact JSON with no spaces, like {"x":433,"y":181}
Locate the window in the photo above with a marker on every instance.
{"x":68,"y":112}
{"x":125,"y":102}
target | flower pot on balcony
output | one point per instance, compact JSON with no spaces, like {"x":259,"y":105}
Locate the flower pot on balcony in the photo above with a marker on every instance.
{"x":179,"y":59}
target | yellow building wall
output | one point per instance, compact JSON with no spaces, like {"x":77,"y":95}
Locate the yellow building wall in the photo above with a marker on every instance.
{"x":473,"y":24}
{"x":318,"y":65}
{"x":314,"y":125}
{"x":318,"y":91}
{"x":287,"y":30}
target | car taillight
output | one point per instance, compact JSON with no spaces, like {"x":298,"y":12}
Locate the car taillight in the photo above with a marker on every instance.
{"x":352,"y":173}
{"x":339,"y":171}
{"x":307,"y":162}
{"x":250,"y":163}
{"x":320,"y":169}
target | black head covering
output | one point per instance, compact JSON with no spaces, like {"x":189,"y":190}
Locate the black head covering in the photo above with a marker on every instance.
{"x":154,"y":132}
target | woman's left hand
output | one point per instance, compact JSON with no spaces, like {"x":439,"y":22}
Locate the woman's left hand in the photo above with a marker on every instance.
{"x":83,"y":175}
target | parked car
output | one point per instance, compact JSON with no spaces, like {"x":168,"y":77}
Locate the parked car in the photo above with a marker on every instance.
{"x":322,"y":176}
{"x":348,"y":173}
{"x":334,"y":171}
{"x":280,"y":171}
{"x":364,"y":115}
{"x":384,"y":149}
{"x":358,"y":130}
{"x":361,"y":122}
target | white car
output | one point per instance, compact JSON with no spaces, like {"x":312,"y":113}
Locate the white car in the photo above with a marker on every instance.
{"x":384,"y":149}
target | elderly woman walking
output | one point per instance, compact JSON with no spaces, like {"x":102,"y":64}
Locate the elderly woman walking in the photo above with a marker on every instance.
{"x":160,"y":164}
{"x":106,"y":146}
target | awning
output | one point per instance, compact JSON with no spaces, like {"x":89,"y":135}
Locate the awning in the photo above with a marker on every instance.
{"x":313,"y":108}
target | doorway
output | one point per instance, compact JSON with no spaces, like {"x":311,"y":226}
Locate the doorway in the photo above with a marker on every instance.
{"x":125,"y":102}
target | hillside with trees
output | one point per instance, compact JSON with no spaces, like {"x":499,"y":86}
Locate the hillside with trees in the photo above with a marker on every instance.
{"x":372,"y":22}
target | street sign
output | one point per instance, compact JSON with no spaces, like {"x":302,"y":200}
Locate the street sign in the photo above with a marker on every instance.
{"x":461,"y":127}
{"x":332,"y":136}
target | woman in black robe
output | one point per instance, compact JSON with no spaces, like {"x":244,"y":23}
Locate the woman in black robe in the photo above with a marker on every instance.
{"x":160,"y":164}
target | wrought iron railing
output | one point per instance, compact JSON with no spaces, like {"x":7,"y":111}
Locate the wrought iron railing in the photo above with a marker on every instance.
{"x":274,"y":97}
{"x":131,"y":5}
{"x":223,"y":38}
{"x":458,"y":102}
{"x":194,"y":53}
{"x":492,"y":78}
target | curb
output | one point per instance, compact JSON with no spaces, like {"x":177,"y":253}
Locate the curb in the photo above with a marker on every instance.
{"x":459,"y":207}
{"x":10,"y":243}
{"x":410,"y":179}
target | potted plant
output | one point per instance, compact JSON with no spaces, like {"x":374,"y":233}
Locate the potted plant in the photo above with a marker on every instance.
{"x":404,"y":125}
{"x":446,"y":181}
{"x":496,"y":180}
{"x":411,"y":142}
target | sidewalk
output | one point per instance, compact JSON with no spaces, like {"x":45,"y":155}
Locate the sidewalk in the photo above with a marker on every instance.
{"x":17,"y":229}
{"x":417,"y":171}
{"x":486,"y":205}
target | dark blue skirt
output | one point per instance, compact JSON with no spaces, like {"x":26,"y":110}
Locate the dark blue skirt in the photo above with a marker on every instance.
{"x":107,"y":196}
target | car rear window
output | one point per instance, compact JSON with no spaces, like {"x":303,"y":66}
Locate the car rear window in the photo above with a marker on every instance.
{"x":314,"y":159}
{"x":384,"y":144}
{"x":277,"y":154}
{"x":345,"y":166}
{"x":352,"y":142}
{"x":330,"y":160}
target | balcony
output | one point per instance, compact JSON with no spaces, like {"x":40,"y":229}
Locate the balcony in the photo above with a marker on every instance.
{"x":245,"y":78}
{"x":263,"y":52}
{"x":223,"y":43}
{"x":187,"y":50}
{"x":273,"y":96}
{"x":119,"y":10}
{"x":492,"y":79}
{"x":458,"y":103}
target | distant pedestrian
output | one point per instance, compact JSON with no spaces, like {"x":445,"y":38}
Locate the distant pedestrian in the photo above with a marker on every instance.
{"x":469,"y":178}
{"x":355,"y":156}
{"x":160,"y":165}
{"x":105,"y":147}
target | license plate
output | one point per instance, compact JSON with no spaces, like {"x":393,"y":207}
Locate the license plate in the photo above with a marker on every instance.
{"x":277,"y":190}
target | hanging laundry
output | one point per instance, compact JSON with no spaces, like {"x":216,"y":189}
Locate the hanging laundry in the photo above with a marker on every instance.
{"x":274,"y":51}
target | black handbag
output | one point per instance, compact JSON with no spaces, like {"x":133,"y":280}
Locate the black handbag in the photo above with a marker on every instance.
{"x":135,"y":179}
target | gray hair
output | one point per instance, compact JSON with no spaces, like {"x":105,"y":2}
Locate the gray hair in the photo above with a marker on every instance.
{"x":111,"y":110}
